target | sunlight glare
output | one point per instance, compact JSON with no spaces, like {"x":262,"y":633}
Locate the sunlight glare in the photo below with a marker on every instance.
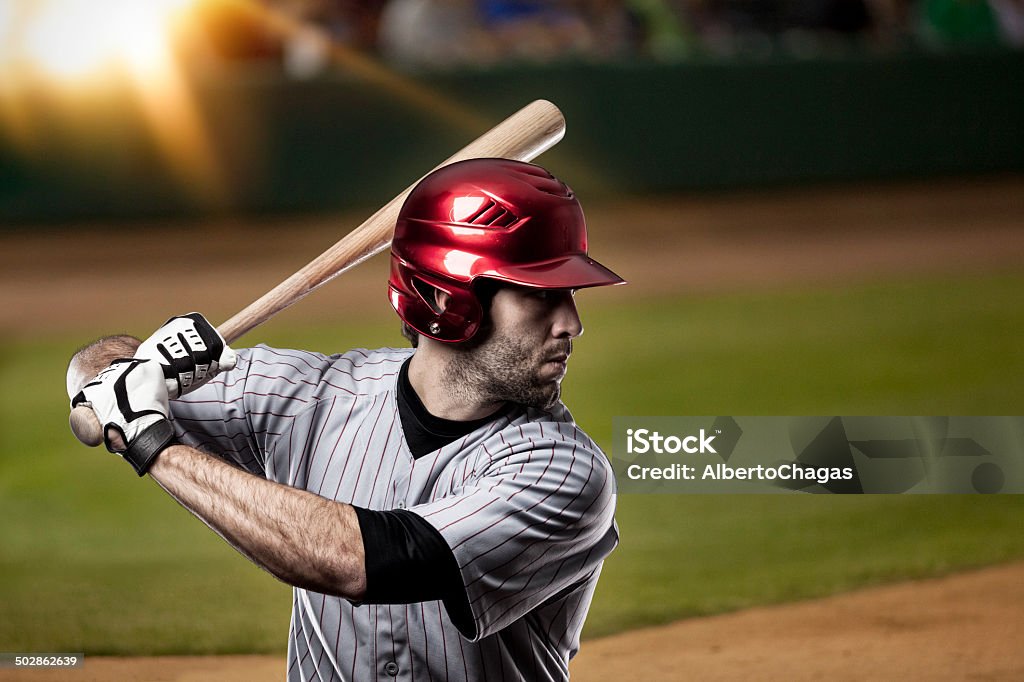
{"x":72,"y":39}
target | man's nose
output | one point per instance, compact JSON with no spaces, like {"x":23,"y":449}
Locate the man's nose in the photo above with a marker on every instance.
{"x":567,"y":324}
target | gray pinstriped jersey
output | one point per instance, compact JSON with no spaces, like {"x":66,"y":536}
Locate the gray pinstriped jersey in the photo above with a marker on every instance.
{"x":526,"y":504}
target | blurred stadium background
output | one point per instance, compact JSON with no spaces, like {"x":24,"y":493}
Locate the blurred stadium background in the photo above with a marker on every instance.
{"x":819,"y":205}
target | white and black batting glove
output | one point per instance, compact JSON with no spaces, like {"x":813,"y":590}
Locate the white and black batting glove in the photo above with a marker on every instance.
{"x":130,"y":398}
{"x":190,"y":351}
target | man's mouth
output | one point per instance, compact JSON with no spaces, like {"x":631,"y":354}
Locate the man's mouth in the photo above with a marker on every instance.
{"x":556,"y":361}
{"x":557,"y":364}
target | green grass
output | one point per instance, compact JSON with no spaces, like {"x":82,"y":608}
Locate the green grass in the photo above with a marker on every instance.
{"x":93,"y":559}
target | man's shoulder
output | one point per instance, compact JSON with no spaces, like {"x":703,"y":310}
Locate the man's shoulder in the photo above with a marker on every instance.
{"x":559,"y":458}
{"x":553,"y":427}
{"x":359,"y":371}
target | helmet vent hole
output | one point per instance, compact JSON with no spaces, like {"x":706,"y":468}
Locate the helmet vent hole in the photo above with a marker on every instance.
{"x":491,"y":214}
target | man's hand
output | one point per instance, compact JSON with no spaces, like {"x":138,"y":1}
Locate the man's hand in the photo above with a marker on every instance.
{"x":190,"y":352}
{"x":130,"y":400}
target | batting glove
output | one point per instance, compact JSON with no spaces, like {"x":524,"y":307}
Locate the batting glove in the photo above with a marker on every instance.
{"x":130,"y":398}
{"x":190,"y":352}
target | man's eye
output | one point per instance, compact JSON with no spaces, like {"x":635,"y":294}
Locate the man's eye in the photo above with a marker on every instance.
{"x":549,"y":295}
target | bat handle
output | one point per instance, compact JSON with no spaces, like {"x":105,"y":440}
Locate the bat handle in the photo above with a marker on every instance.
{"x":86,"y":426}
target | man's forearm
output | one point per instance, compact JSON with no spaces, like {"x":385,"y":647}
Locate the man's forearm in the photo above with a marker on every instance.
{"x":302,"y":539}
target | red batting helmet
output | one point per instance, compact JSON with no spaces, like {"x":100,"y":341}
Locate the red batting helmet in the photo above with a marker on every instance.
{"x":495,"y":218}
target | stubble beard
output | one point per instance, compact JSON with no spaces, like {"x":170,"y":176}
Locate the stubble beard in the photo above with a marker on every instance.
{"x":502,"y":368}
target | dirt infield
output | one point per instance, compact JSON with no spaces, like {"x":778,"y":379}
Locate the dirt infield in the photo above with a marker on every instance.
{"x":962,"y":627}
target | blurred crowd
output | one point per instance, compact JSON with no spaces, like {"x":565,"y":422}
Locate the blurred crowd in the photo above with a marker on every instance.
{"x":306,"y":36}
{"x":459,"y":33}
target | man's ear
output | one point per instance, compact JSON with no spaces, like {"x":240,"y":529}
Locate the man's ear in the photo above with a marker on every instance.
{"x":441,"y":299}
{"x":435,"y":298}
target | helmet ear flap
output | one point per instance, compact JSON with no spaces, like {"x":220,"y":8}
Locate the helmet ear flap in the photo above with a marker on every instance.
{"x":415,"y":299}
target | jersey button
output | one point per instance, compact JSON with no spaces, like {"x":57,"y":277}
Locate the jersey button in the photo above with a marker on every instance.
{"x":391,"y":668}
{"x":401,"y":505}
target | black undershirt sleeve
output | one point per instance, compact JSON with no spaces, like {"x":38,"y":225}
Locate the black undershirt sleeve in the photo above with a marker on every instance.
{"x":408,"y":561}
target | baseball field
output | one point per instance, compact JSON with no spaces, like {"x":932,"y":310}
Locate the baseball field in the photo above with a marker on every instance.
{"x":903,"y":299}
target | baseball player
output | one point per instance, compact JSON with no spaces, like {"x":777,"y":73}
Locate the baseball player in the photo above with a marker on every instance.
{"x":436,"y":508}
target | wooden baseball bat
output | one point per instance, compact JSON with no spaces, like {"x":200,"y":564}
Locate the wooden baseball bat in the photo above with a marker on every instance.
{"x":522,"y":136}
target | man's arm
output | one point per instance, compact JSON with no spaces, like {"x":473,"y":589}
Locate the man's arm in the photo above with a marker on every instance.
{"x":302,"y":539}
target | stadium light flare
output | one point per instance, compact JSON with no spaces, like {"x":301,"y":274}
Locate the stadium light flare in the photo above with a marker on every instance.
{"x":68,"y":40}
{"x":59,"y":56}
{"x":56,"y":54}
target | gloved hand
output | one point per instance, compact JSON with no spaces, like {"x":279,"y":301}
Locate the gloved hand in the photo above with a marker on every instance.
{"x":190,"y":351}
{"x":130,"y":400}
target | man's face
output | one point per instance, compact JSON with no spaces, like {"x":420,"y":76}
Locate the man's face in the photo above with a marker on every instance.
{"x":522,"y":354}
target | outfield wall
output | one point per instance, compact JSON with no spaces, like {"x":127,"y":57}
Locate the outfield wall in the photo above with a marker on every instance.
{"x":339,"y":141}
